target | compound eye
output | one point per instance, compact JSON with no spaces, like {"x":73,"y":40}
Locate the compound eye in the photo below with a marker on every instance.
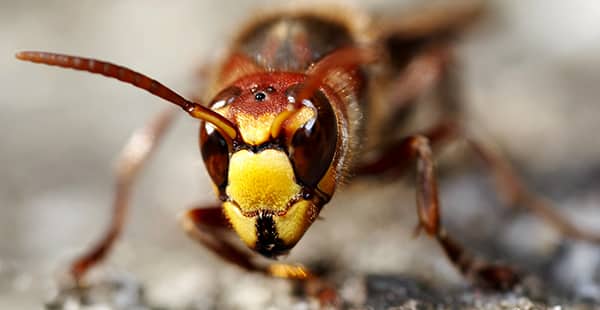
{"x":313,"y":145}
{"x":215,"y":153}
{"x":214,"y":147}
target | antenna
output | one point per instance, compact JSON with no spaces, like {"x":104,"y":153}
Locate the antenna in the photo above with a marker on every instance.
{"x":340,"y":59}
{"x":134,"y":78}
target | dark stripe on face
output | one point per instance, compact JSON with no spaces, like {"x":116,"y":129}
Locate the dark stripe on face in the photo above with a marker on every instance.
{"x":268,"y":243}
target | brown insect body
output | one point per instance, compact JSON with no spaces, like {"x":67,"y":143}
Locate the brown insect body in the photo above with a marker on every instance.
{"x":281,"y":50}
{"x":269,"y":65}
{"x":289,"y":107}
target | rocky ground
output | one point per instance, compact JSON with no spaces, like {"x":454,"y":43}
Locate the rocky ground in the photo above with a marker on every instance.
{"x":530,"y":72}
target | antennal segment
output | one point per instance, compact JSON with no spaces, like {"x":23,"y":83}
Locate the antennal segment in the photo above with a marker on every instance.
{"x":341,"y":59}
{"x":134,"y":78}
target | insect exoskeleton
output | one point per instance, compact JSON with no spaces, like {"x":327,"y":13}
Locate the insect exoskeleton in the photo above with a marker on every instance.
{"x":284,"y":120}
{"x":275,"y":138}
{"x":291,"y":85}
{"x":273,"y":181}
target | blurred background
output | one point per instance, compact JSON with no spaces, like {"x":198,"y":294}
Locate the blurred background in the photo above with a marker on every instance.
{"x":531,"y":74}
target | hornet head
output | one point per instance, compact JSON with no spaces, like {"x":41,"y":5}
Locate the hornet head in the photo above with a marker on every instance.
{"x":276,"y":175}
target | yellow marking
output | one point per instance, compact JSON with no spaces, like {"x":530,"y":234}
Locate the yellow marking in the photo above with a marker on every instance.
{"x":261,"y":181}
{"x":216,"y":119}
{"x":215,"y":189}
{"x":265,"y":182}
{"x":258,"y":130}
{"x":280,"y":270}
{"x":244,"y":226}
{"x":291,"y":120}
{"x":278,"y":122}
{"x":292,"y":226}
{"x":328,"y":181}
{"x":255,"y":130}
{"x":297,"y":119}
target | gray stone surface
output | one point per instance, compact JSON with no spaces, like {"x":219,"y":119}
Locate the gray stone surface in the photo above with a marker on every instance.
{"x":531,"y":74}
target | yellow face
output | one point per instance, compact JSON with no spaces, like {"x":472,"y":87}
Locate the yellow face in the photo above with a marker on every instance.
{"x":266,"y":206}
{"x":272,"y":185}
